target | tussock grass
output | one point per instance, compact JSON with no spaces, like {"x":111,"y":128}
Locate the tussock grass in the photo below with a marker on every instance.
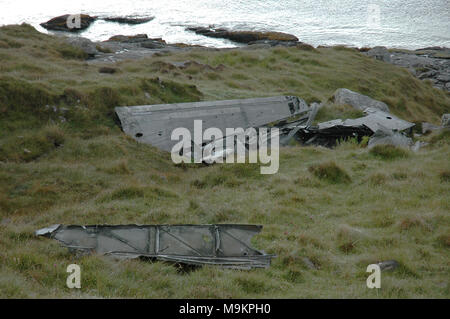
{"x":324,"y":229}
{"x":445,"y":176}
{"x":388,"y":152}
{"x":330,"y":172}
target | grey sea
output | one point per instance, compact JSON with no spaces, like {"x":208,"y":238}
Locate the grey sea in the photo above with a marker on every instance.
{"x":407,"y":24}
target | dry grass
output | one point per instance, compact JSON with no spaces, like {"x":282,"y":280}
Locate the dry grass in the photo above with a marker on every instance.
{"x":85,"y":171}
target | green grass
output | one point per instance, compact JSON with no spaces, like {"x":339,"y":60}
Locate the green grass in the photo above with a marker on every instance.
{"x":388,"y":152}
{"x":327,"y":214}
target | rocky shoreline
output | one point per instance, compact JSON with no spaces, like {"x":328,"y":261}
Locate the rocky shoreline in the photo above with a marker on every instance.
{"x":432,"y":64}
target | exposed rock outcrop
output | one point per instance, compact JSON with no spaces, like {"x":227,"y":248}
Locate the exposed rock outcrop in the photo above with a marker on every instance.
{"x":84,"y":44}
{"x":128,"y":38}
{"x":431,"y":64}
{"x":141,"y":39}
{"x":358,"y":101}
{"x":69,"y":22}
{"x":243,"y":36}
{"x":380,"y":53}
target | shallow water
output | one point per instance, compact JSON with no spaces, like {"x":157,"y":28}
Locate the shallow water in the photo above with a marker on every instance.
{"x":394,"y":23}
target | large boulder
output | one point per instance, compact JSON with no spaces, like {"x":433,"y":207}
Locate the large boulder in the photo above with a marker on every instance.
{"x":69,"y":22}
{"x":243,"y":36}
{"x":358,"y":101}
{"x":380,"y":53}
{"x":88,"y":47}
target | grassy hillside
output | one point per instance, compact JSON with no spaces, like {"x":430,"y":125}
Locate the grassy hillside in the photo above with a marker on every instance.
{"x":327,"y":214}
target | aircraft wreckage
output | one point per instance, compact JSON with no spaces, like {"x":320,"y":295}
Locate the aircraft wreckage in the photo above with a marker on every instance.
{"x":226,"y":245}
{"x":153,"y":124}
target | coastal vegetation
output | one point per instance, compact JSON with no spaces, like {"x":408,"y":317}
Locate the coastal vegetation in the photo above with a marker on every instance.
{"x":327,"y":214}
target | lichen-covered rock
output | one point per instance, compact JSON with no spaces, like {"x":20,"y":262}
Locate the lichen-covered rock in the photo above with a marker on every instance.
{"x":358,"y":101}
{"x":69,"y":22}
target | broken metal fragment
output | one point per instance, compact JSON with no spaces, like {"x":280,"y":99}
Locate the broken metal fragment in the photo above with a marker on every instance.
{"x":329,"y":133}
{"x":388,"y":265}
{"x":389,"y":137}
{"x":226,"y":245}
{"x":154,"y":124}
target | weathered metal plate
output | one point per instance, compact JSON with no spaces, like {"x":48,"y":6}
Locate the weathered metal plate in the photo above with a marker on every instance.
{"x":374,"y":120}
{"x":226,"y":245}
{"x":153,"y":124}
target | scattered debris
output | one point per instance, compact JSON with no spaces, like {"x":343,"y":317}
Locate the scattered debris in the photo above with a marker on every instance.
{"x":388,"y":265}
{"x":389,"y":137}
{"x":224,"y":245}
{"x":329,"y":133}
{"x":153,"y":124}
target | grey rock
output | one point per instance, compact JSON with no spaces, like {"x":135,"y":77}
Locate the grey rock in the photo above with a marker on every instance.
{"x":380,"y":53}
{"x":446,"y":120}
{"x":128,"y":38}
{"x":428,"y":74}
{"x":429,"y":63}
{"x":358,"y":101}
{"x":418,"y":145}
{"x":443,"y":77}
{"x":84,"y":44}
{"x":152,"y":44}
{"x":129,"y":20}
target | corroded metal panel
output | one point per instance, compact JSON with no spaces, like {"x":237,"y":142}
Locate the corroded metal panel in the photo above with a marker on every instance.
{"x":225,"y":244}
{"x":153,"y":124}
